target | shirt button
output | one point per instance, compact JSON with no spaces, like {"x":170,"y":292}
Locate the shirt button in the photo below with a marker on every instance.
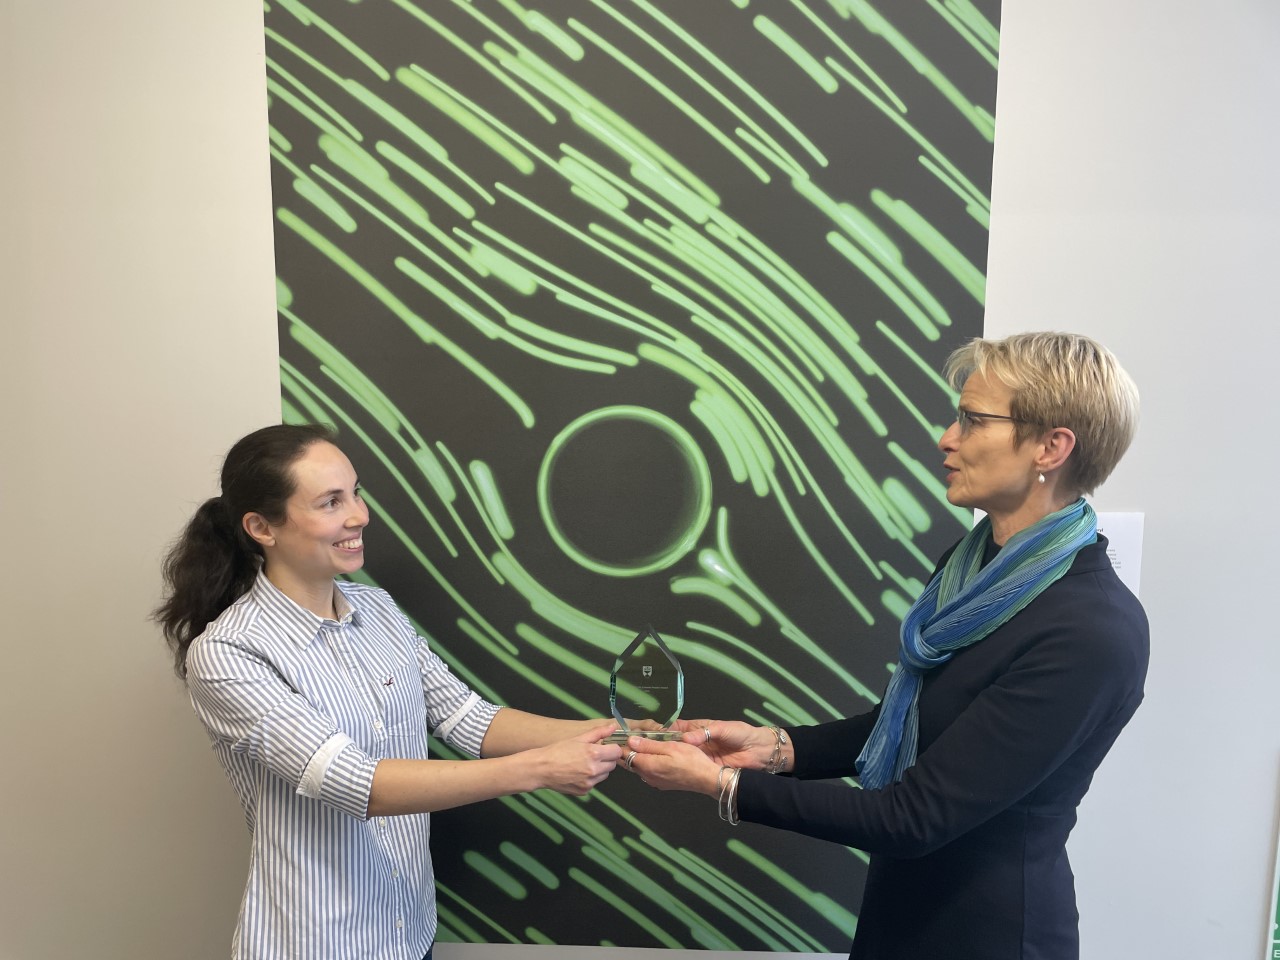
{"x":377,"y":724}
{"x":399,"y":922}
{"x":382,"y":821}
{"x":395,"y":873}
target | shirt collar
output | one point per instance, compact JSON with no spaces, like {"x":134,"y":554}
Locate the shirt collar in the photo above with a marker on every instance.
{"x":298,"y":624}
{"x":345,"y":609}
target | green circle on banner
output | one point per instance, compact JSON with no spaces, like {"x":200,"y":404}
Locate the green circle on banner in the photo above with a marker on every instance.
{"x":624,"y":491}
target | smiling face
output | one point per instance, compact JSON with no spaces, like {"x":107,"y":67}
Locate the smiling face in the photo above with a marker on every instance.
{"x":322,"y":535}
{"x":985,"y":469}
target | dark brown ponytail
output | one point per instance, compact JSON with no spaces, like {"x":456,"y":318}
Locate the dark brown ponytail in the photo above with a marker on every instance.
{"x":214,"y":561}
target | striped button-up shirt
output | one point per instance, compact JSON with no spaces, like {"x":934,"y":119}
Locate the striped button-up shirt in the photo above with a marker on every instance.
{"x":300,"y":710}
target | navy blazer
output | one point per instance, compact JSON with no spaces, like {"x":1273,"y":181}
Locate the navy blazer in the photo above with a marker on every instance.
{"x":968,"y":850}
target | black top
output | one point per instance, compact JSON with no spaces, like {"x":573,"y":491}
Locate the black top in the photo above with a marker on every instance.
{"x":968,"y":851}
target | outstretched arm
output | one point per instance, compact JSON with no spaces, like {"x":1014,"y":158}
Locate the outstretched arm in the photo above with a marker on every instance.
{"x":247,"y":706}
{"x":733,"y":743}
{"x":574,"y":766}
{"x":514,"y":730}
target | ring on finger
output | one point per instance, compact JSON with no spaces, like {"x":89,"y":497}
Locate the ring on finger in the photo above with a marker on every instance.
{"x":631,"y":758}
{"x":706,"y":733}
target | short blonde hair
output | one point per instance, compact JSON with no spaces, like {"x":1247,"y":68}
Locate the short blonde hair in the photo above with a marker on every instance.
{"x":1060,"y":380}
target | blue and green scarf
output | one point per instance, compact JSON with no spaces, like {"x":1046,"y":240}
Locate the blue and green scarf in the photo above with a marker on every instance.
{"x":961,"y":605}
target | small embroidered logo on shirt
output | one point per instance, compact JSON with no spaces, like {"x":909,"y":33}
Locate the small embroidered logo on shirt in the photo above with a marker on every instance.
{"x":389,"y":681}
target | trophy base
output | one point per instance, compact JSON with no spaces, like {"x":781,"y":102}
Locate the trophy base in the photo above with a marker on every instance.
{"x":620,"y":736}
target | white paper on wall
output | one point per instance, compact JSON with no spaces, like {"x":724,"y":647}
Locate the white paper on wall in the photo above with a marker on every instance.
{"x":1124,"y":535}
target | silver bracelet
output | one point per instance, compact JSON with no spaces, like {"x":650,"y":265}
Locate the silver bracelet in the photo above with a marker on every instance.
{"x":734,"y":819}
{"x":727,"y":804}
{"x":777,"y":763}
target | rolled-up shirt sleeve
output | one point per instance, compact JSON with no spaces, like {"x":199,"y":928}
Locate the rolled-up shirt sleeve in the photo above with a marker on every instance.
{"x":249,"y":709}
{"x":455,"y":713}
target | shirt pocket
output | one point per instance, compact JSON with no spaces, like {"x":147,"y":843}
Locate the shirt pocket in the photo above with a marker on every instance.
{"x":404,"y":712}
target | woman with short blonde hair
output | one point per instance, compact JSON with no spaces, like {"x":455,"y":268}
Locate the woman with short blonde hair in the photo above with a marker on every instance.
{"x":1019,"y":664}
{"x":1060,"y":379}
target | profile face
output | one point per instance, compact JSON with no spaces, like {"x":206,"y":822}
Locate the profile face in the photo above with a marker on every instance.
{"x":984,"y":468}
{"x":322,"y":535}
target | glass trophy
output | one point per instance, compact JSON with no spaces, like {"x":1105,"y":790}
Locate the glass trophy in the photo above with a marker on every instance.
{"x":646,"y":682}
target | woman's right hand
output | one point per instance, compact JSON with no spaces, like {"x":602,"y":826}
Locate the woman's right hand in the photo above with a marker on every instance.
{"x":730,"y":743}
{"x":576,"y":766}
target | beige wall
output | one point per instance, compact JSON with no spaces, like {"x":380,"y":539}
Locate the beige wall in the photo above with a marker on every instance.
{"x":1134,"y":199}
{"x":136,"y":296}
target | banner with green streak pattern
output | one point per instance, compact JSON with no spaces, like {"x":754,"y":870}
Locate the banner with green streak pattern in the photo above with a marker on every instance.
{"x":628,"y":312}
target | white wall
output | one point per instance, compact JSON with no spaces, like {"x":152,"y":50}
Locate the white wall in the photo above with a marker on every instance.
{"x":136,"y":297}
{"x":1134,"y":200}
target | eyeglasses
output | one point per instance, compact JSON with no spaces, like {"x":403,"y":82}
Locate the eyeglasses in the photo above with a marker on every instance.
{"x":968,"y":419}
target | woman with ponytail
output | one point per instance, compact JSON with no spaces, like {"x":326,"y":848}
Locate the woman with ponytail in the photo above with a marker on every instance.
{"x":215,"y":561}
{"x":317,"y":695}
{"x":1018,"y":665}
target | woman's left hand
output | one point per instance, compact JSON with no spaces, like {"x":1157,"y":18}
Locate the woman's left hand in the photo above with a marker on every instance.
{"x":671,"y":765}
